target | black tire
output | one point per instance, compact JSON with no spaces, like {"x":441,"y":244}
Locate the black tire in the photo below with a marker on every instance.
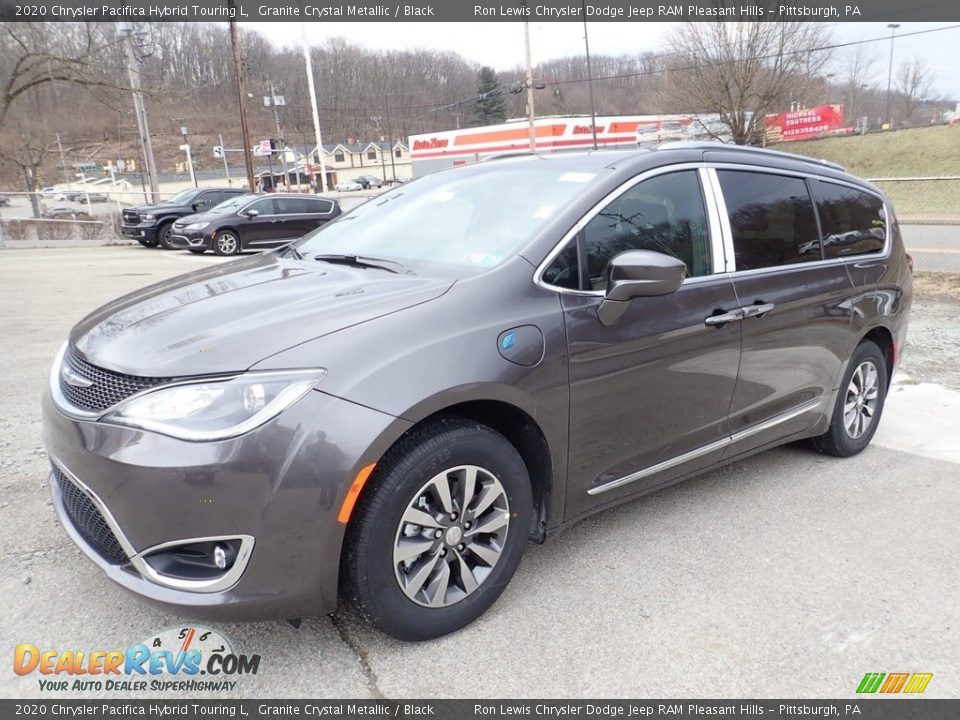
{"x":840,"y":440}
{"x":370,"y":578}
{"x":226,"y":242}
{"x":163,"y":235}
{"x":197,"y":251}
{"x":147,"y":243}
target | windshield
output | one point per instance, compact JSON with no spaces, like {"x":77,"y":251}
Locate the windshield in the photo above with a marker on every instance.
{"x":231,"y":205}
{"x":181,"y":198}
{"x":464,"y":218}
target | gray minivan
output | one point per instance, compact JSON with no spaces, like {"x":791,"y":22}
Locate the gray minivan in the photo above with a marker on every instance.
{"x":387,"y":410}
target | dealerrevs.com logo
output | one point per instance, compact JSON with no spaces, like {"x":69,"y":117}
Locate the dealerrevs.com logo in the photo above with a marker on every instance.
{"x":176,"y":659}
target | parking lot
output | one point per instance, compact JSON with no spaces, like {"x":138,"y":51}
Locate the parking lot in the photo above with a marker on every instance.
{"x":788,"y":575}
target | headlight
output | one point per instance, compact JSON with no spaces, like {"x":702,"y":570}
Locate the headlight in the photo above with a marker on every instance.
{"x":216,"y":410}
{"x":196,"y":226}
{"x":148,"y":217}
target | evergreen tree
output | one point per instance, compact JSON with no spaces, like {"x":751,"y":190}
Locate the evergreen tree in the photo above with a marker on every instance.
{"x":491,"y":109}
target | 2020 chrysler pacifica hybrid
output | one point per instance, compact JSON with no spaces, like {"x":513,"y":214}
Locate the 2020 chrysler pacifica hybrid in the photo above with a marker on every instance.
{"x":390,"y":408}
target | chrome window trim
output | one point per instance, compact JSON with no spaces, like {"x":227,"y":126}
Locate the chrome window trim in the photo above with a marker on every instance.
{"x":600,"y":205}
{"x":823,"y":262}
{"x":710,"y":447}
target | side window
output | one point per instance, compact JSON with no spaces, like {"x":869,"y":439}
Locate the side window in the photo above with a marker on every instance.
{"x":264,"y":207}
{"x":207,"y":200}
{"x":338,"y":156}
{"x":317,"y":206}
{"x":771,"y":217}
{"x":853,"y":222}
{"x":564,"y":271}
{"x":665,"y":214}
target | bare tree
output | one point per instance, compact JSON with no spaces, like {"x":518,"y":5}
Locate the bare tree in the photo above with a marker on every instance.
{"x":914,"y":82}
{"x":741,"y":71}
{"x":31,"y":55}
{"x":854,"y":72}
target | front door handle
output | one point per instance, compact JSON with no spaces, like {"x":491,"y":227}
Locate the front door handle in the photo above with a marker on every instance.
{"x":757,"y":310}
{"x":724,"y":318}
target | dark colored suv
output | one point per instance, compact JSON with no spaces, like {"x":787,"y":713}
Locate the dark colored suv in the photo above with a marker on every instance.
{"x":253,"y":222}
{"x":389,"y":409}
{"x":150,"y":225}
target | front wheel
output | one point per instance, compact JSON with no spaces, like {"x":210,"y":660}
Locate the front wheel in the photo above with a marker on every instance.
{"x":163,"y":235}
{"x":226,"y":243}
{"x":439,"y":531}
{"x":859,"y":403}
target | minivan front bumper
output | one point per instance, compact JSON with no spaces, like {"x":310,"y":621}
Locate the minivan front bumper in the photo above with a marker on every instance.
{"x":276,"y":491}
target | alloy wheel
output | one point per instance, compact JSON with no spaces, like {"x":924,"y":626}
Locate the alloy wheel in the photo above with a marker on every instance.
{"x":860,"y":402}
{"x":227,"y":243}
{"x":451,"y":536}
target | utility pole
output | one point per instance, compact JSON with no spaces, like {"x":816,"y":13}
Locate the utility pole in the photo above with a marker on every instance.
{"x":241,"y":99}
{"x":886,"y":115}
{"x":313,"y":105}
{"x":280,"y":138}
{"x":126,"y":29}
{"x":63,"y":164}
{"x":532,"y":132}
{"x":226,"y":167}
{"x":593,"y":109}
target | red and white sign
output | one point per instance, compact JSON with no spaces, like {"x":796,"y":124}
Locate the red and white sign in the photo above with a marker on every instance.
{"x":804,"y":124}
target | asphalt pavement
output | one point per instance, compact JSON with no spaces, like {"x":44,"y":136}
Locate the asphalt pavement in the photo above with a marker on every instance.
{"x":787,"y":575}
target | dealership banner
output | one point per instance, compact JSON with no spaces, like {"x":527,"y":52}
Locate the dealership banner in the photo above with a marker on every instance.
{"x":805,"y":124}
{"x":872,"y":709}
{"x":471,"y":10}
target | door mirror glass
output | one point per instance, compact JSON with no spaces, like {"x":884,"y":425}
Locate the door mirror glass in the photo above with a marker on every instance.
{"x":638,"y":273}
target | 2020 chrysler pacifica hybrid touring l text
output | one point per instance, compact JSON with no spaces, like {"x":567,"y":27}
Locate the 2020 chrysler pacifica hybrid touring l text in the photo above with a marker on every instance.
{"x":388,"y":409}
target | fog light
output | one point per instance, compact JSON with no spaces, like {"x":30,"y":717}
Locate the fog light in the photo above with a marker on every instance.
{"x":220,"y":557}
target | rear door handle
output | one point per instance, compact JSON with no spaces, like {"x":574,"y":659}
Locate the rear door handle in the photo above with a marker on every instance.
{"x":724,"y":318}
{"x":757,"y":310}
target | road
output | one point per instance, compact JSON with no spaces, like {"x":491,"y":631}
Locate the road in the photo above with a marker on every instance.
{"x":933,"y":247}
{"x":786,"y":575}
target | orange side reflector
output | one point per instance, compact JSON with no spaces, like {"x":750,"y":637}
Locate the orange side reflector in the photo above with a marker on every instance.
{"x":353,"y":493}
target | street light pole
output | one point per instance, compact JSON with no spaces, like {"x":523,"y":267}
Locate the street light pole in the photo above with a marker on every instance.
{"x":593,"y":109}
{"x":313,"y":106}
{"x":893,"y":29}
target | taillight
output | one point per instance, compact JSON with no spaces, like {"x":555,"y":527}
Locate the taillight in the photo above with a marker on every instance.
{"x":910,"y":261}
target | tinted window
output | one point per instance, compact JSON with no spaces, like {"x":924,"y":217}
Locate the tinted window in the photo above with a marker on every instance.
{"x":264,"y":207}
{"x":771,"y":217}
{"x":564,"y":271}
{"x":853,"y":222}
{"x":207,"y":200}
{"x":665,"y":214}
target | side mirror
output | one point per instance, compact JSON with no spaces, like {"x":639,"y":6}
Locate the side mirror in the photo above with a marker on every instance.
{"x":638,"y":273}
{"x":252,"y":213}
{"x":195,"y":206}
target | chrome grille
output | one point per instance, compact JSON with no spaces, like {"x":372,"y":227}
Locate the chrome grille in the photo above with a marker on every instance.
{"x":108,"y":387}
{"x":87,"y":519}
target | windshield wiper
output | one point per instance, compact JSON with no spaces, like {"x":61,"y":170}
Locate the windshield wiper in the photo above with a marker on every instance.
{"x":364,"y":261}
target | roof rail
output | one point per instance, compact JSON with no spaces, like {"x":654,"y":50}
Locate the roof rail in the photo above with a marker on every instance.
{"x":715,"y":145}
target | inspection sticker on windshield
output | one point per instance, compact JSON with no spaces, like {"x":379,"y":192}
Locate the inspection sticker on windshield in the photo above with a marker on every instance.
{"x":479,"y":258}
{"x":577,"y":177}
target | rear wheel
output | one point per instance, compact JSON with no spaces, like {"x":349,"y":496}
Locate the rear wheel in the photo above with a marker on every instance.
{"x":163,"y":235}
{"x":438,"y":535}
{"x":859,"y":403}
{"x":226,"y":243}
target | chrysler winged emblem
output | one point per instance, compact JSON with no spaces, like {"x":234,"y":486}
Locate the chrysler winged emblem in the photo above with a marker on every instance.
{"x":71,"y":377}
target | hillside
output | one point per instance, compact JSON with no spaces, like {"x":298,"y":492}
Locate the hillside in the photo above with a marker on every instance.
{"x":920,"y":152}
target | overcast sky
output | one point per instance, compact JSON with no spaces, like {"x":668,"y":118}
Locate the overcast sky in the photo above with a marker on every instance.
{"x":500,"y":44}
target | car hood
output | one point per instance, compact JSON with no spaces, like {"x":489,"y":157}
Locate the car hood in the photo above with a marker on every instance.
{"x":160,"y":208}
{"x":199,"y":217}
{"x":230,"y":317}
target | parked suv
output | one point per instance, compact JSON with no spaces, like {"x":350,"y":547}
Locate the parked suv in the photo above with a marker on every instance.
{"x":150,"y":225}
{"x":369,"y":181}
{"x":390,"y":408}
{"x":252,"y":222}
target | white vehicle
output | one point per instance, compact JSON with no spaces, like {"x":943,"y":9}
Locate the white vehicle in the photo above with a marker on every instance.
{"x":48,"y":192}
{"x":347,"y":186}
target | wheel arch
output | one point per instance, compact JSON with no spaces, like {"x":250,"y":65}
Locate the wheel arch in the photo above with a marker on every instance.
{"x":882,"y":337}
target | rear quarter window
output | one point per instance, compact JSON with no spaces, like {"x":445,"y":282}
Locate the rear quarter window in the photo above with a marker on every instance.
{"x":852,"y":221}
